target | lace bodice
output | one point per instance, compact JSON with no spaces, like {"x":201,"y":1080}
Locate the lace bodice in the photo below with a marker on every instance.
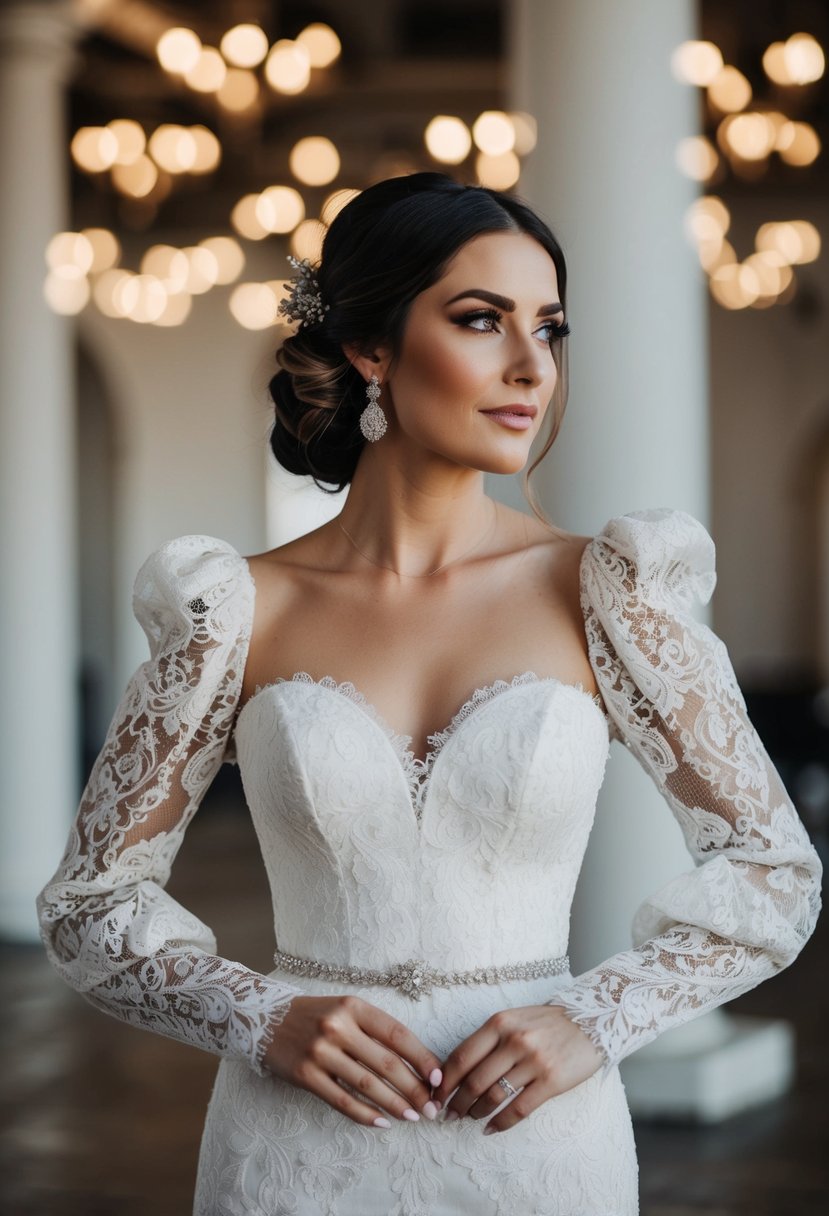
{"x":375,"y":856}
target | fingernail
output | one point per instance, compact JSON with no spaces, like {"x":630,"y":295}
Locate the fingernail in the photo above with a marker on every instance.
{"x":450,"y":1115}
{"x":435,"y":1076}
{"x":411,"y":1115}
{"x":430,"y":1110}
{"x":438,"y":1103}
{"x":489,"y":1130}
{"x":381,"y":1122}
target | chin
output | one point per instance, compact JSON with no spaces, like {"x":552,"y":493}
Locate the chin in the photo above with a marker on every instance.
{"x":502,"y":463}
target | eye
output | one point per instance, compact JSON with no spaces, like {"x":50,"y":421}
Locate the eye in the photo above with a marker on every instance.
{"x":556,"y":330}
{"x":490,"y":317}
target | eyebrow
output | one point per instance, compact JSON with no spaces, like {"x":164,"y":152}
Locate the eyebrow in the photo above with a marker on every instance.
{"x":504,"y":302}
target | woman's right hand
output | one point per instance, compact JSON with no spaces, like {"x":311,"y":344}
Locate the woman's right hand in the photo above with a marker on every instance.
{"x":325,"y":1040}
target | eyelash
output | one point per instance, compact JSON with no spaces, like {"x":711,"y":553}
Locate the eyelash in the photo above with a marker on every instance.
{"x":560,"y":329}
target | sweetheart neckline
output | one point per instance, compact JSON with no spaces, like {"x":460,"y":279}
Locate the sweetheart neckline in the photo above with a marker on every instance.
{"x":416,"y":770}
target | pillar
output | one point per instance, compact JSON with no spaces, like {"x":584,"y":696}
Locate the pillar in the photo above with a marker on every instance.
{"x":39,"y":778}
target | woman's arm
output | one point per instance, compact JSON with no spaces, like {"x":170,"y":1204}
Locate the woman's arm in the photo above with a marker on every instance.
{"x":109,"y":927}
{"x":752,"y":901}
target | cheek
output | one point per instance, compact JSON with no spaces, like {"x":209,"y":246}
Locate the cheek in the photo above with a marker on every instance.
{"x":453,"y":370}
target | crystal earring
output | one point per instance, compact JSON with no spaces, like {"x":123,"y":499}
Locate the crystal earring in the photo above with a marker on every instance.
{"x":372,"y":420}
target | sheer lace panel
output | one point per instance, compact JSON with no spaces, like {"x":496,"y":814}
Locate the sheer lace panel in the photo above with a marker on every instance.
{"x":667,"y":680}
{"x":109,"y":927}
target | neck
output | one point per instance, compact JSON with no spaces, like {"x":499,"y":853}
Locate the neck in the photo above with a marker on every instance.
{"x":412,"y":521}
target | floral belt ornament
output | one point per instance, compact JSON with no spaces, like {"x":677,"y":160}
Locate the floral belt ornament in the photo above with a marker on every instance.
{"x":416,"y":978}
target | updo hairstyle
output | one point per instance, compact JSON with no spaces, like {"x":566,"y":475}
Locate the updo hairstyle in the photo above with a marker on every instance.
{"x":391,"y":242}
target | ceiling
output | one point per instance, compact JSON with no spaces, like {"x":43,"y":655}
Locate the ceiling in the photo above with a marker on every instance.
{"x":402,"y":61}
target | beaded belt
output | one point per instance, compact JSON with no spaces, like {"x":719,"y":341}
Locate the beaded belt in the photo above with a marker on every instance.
{"x":415,"y":978}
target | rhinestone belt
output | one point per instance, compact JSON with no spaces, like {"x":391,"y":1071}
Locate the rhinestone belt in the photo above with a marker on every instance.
{"x":416,"y":978}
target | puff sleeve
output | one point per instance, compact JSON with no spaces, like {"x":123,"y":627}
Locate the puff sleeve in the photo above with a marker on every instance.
{"x":110,"y":929}
{"x":752,"y":901}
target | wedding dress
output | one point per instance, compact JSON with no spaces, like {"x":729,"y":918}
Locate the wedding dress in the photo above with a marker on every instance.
{"x":466,"y":860}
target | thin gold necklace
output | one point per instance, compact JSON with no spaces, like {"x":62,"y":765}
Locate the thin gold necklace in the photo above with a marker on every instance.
{"x":430,"y":572}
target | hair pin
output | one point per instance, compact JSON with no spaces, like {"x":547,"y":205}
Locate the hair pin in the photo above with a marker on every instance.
{"x":303,"y":303}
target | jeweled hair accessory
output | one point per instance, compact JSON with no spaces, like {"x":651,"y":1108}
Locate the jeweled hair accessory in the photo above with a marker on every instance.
{"x":303,"y":303}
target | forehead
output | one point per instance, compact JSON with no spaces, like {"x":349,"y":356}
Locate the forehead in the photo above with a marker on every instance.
{"x":511,"y":263}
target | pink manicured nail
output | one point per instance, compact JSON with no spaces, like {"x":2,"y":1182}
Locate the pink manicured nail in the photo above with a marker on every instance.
{"x":430,"y":1110}
{"x":411,"y":1115}
{"x":435,"y":1077}
{"x":438,"y":1103}
{"x":450,"y":1115}
{"x":381,"y":1122}
{"x":489,"y":1130}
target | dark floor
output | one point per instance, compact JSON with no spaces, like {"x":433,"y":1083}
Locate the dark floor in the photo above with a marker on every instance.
{"x":99,"y":1119}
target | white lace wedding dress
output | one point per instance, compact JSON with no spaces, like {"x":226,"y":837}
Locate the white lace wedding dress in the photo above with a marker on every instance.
{"x":467,"y":860}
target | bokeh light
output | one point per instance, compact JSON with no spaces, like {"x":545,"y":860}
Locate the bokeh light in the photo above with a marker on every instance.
{"x":230,"y":258}
{"x":494,"y":133}
{"x":335,"y":202}
{"x":245,"y":221}
{"x":314,"y":160}
{"x":498,"y":172}
{"x":696,"y":62}
{"x":729,"y":91}
{"x":178,"y":50}
{"x":288,"y":67}
{"x":208,"y":73}
{"x":321,"y":43}
{"x":244,"y":46}
{"x":253,"y":305}
{"x":240,"y":90}
{"x":448,"y":139}
{"x":306,"y":240}
{"x":280,"y":209}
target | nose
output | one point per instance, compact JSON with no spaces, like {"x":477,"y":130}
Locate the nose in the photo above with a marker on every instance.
{"x":530,"y":362}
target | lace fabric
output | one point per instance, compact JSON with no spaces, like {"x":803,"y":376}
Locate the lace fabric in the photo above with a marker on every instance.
{"x":416,"y":770}
{"x":746,"y":910}
{"x":503,"y":805}
{"x":110,"y":928}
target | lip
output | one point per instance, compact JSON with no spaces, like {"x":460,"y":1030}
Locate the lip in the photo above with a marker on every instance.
{"x":517,"y":417}
{"x":528,"y":411}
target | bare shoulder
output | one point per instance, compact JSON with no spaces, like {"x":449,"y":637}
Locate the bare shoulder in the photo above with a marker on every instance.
{"x":565,"y":547}
{"x":304,"y":553}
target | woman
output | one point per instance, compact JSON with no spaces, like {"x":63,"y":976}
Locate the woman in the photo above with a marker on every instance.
{"x":422,"y":881}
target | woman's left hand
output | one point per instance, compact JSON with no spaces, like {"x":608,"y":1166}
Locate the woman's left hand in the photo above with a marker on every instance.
{"x":536,"y":1047}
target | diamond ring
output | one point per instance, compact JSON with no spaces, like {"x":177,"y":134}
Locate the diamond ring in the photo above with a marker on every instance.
{"x":507,"y":1088}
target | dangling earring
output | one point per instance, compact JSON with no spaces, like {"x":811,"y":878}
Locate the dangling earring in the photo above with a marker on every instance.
{"x":372,"y":420}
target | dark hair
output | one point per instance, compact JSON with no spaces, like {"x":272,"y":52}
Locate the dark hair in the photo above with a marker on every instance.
{"x":391,"y":242}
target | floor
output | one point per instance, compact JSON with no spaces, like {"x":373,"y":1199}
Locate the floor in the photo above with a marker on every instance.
{"x":99,"y":1119}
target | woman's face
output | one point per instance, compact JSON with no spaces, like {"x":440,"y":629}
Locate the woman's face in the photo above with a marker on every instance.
{"x":476,"y":341}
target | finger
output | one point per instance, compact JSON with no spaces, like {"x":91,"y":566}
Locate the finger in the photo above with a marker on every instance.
{"x":369,"y":1086}
{"x":481,"y":1081}
{"x":388,"y":1065}
{"x":387,"y":1030}
{"x":519,"y":1108}
{"x":321,"y":1084}
{"x":466,"y":1056}
{"x":519,"y":1078}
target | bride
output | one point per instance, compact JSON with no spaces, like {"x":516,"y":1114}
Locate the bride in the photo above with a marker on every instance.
{"x":421,"y":696}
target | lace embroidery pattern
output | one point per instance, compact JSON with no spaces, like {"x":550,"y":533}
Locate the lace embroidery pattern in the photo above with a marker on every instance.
{"x":417,"y":771}
{"x":753,"y":900}
{"x":110,"y":928}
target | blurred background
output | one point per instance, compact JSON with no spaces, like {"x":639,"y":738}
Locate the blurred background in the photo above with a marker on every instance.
{"x":158,"y":162}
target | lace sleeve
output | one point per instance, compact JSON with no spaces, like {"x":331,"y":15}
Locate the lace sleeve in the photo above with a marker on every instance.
{"x":752,"y":901}
{"x":110,"y":929}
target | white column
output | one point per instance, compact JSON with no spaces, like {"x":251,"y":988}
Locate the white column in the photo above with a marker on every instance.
{"x":38,"y":601}
{"x":610,"y":115}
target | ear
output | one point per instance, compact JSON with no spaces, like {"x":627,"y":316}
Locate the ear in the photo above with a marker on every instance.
{"x":369,"y":362}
